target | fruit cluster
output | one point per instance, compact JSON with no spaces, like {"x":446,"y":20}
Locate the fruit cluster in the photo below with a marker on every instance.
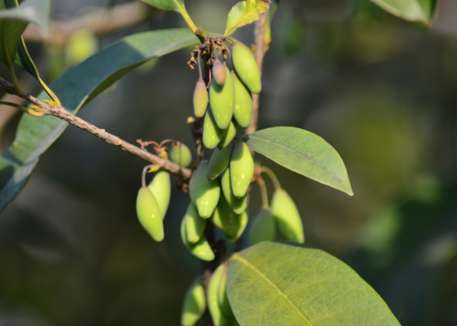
{"x":219,"y":186}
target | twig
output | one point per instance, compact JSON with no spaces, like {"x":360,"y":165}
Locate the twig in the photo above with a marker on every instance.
{"x":261,"y":48}
{"x":61,"y":113}
{"x":101,"y":21}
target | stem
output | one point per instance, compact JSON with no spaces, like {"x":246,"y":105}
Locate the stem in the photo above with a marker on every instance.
{"x":12,"y":104}
{"x":272,"y":176}
{"x":263,"y":192}
{"x":61,"y":113}
{"x":190,"y":23}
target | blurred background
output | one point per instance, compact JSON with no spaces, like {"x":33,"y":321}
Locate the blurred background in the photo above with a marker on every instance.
{"x":382,"y":91}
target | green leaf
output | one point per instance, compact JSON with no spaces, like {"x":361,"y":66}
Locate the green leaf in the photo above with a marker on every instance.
{"x":13,"y":22}
{"x":303,"y":152}
{"x":166,"y":4}
{"x":76,"y":87}
{"x":274,"y":284}
{"x":244,"y":13}
{"x":412,"y":10}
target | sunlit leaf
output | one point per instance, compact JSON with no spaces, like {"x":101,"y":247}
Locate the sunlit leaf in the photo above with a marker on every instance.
{"x":244,"y":13}
{"x":413,"y":10}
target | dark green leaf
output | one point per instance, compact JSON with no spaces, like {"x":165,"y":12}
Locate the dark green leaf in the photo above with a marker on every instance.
{"x":273,"y":284}
{"x":76,"y":87}
{"x":412,"y":10}
{"x":304,"y":153}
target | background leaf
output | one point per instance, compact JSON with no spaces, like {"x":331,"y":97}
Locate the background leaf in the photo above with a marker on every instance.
{"x":412,"y":10}
{"x":244,"y":13}
{"x":274,"y":284}
{"x":76,"y":87}
{"x":165,"y":4}
{"x":303,"y":152}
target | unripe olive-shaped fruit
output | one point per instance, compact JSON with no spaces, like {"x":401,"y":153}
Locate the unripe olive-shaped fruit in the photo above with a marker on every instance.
{"x":204,"y":193}
{"x":201,"y":249}
{"x":243,"y":103}
{"x":194,"y":304}
{"x":160,"y":187}
{"x":219,"y":73}
{"x":212,"y":135}
{"x":263,"y":228}
{"x":221,"y":315}
{"x":238,"y":205}
{"x":233,"y":225}
{"x":241,"y":169}
{"x":221,"y":99}
{"x":287,"y":216}
{"x":181,"y":155}
{"x":194,"y":224}
{"x":246,"y":67}
{"x":219,"y":161}
{"x":149,"y":214}
{"x":201,"y":99}
{"x":228,"y":135}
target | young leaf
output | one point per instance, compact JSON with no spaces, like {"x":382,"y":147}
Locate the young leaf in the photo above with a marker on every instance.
{"x":303,"y":152}
{"x":275,"y":284}
{"x":165,"y":4}
{"x":412,"y":10}
{"x":75,"y":88}
{"x":244,"y":13}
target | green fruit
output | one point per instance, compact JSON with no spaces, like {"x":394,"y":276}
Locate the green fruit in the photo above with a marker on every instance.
{"x":220,"y":311}
{"x":212,"y":135}
{"x":287,"y":217}
{"x":219,"y":73}
{"x":201,"y":249}
{"x":246,"y":67}
{"x":228,"y":135}
{"x":263,"y":228}
{"x":238,"y":205}
{"x":243,"y":103}
{"x":201,"y":99}
{"x":204,"y":193}
{"x":194,"y":304}
{"x":181,"y":154}
{"x":149,"y":214}
{"x":241,"y":169}
{"x":160,"y":187}
{"x":221,"y":99}
{"x":80,"y":46}
{"x":233,"y":225}
{"x":219,"y":161}
{"x":194,"y":224}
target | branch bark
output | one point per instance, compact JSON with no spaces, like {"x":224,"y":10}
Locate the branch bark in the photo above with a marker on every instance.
{"x":100,"y":21}
{"x":63,"y":114}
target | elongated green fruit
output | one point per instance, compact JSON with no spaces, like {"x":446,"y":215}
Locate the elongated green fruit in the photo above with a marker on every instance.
{"x":263,"y":228}
{"x":219,"y":161}
{"x":219,"y":72}
{"x":221,"y":99}
{"x":194,"y":304}
{"x":204,"y":193}
{"x":243,"y":103}
{"x":201,"y":249}
{"x":221,"y":314}
{"x":238,"y":205}
{"x":246,"y":67}
{"x":228,"y":135}
{"x":194,"y":224}
{"x":212,"y":135}
{"x":241,"y":169}
{"x":201,"y":99}
{"x":149,"y":214}
{"x":287,"y":216}
{"x":233,"y":225}
{"x":181,"y":155}
{"x":160,"y":187}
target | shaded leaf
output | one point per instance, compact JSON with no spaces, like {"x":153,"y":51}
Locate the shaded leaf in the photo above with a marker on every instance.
{"x":76,"y":87}
{"x":412,"y":10}
{"x":275,"y":284}
{"x":303,"y":152}
{"x":244,"y":13}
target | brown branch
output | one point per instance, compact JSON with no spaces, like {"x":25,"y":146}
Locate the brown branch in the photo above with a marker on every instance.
{"x":261,"y":48}
{"x":100,"y":21}
{"x":61,"y":113}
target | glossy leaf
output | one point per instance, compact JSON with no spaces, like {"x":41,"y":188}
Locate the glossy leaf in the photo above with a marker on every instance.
{"x":275,"y":284}
{"x":412,"y":10}
{"x":244,"y":13}
{"x":303,"y":152}
{"x":76,"y":87}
